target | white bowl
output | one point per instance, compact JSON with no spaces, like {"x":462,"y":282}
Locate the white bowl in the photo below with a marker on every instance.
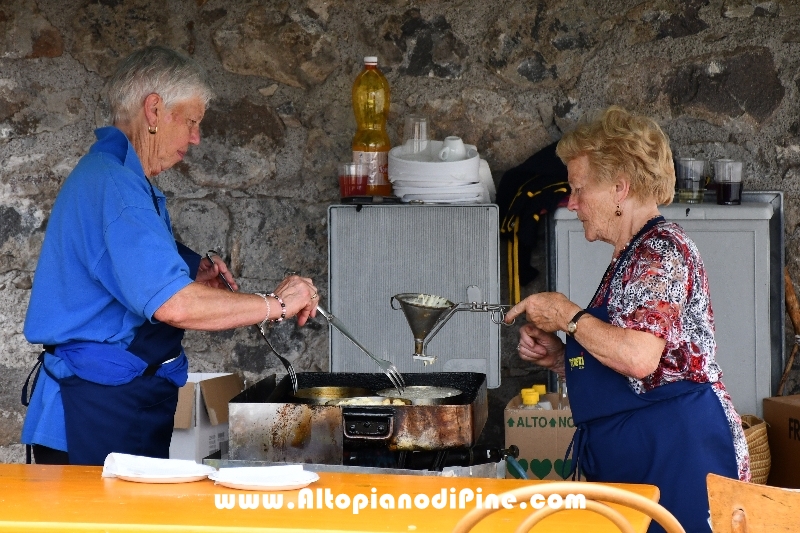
{"x":422,"y":166}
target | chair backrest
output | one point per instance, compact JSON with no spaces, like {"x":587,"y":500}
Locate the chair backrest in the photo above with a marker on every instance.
{"x":595,"y":493}
{"x":739,"y":507}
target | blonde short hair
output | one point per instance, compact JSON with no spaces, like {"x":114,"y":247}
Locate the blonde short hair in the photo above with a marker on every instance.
{"x":616,"y":141}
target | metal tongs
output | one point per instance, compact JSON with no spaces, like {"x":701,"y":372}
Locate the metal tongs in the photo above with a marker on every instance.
{"x":286,"y":363}
{"x":388,"y":368}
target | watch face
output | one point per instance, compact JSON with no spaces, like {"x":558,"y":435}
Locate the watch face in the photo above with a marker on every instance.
{"x":571,"y":327}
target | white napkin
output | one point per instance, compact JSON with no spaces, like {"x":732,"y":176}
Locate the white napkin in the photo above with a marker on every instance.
{"x":122,"y":464}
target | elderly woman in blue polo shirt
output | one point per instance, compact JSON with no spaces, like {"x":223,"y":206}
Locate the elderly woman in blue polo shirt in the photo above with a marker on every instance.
{"x":113,"y":290}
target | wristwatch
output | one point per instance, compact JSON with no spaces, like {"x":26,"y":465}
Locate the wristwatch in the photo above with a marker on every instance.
{"x":572,"y":325}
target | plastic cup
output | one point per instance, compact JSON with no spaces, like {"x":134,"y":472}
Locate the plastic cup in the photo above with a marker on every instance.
{"x":415,"y":134}
{"x":690,"y":179}
{"x":728,"y":178}
{"x":353,"y":179}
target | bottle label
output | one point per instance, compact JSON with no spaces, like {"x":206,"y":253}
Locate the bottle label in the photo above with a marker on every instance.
{"x":378,"y":163}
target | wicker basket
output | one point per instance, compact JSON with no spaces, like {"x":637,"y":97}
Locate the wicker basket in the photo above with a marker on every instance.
{"x":755,"y":431}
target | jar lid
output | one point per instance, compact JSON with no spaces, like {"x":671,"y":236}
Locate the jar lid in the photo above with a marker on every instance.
{"x":371,"y":60}
{"x":541,"y":389}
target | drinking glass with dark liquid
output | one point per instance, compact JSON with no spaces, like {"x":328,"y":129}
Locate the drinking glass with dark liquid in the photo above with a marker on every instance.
{"x":728,"y":178}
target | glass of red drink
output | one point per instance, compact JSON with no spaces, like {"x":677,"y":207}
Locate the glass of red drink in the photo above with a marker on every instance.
{"x":353,"y":178}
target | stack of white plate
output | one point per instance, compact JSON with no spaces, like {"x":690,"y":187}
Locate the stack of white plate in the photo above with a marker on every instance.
{"x":422,"y":177}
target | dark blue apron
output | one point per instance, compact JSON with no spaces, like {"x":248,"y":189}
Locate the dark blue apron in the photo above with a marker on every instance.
{"x":671,"y":436}
{"x":134,"y":418}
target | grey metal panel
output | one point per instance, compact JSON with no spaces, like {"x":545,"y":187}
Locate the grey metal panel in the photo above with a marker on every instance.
{"x":381,"y":250}
{"x":741,"y":247}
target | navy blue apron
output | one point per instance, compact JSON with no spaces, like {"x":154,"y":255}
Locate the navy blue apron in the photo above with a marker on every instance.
{"x":134,"y":418}
{"x":671,"y":436}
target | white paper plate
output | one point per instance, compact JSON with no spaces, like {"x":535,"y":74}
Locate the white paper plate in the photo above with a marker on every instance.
{"x":299,"y":484}
{"x":454,"y":201}
{"x":151,"y":470}
{"x":439,"y":182}
{"x":288,"y":477}
{"x":440,"y":196}
{"x":465,"y":190}
{"x":460,"y":177}
{"x":460,"y":200}
{"x":161,"y":479}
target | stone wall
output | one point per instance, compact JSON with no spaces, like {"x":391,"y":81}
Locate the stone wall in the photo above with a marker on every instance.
{"x":509,"y":76}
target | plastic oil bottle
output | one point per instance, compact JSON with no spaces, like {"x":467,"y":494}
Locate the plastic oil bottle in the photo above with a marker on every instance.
{"x":371,"y":146}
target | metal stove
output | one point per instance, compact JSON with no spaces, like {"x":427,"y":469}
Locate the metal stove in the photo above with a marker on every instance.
{"x":268,"y":424}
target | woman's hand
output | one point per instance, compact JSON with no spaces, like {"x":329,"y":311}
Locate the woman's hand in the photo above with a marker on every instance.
{"x":208,"y":273}
{"x":549,"y":311}
{"x":300,"y":296}
{"x":541,"y":347}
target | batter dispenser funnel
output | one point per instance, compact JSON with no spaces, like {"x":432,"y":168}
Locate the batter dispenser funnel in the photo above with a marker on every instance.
{"x":426,"y":314}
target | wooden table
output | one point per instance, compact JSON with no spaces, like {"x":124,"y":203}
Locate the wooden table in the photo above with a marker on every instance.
{"x":75,"y":498}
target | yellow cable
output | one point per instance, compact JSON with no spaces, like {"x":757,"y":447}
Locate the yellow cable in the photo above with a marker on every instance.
{"x":513,"y":265}
{"x":510,"y":266}
{"x":516,"y":264}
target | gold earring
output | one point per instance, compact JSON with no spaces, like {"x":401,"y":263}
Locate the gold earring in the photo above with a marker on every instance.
{"x":152,"y":130}
{"x":618,"y":212}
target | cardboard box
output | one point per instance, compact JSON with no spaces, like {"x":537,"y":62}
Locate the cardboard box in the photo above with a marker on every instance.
{"x":201,"y":418}
{"x":782,"y":415}
{"x":542,"y":437}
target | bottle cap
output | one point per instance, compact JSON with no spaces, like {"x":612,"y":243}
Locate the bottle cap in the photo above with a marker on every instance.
{"x":541,"y":389}
{"x":371,"y":60}
{"x":529,"y":397}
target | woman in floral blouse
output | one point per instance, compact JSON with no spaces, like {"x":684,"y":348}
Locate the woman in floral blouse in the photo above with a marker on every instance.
{"x":639,"y":361}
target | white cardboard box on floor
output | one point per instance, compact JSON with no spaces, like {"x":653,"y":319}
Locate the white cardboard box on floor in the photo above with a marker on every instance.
{"x":201,"y":418}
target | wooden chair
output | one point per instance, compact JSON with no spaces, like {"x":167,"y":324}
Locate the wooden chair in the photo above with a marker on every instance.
{"x":595,"y":494}
{"x":738,"y":507}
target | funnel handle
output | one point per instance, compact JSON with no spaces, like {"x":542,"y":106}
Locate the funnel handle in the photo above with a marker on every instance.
{"x":439,"y":323}
{"x":391,"y":303}
{"x":498,"y":316}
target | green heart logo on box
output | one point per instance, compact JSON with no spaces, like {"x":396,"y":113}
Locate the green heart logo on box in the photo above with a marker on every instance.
{"x":563,"y":467}
{"x":541,"y":468}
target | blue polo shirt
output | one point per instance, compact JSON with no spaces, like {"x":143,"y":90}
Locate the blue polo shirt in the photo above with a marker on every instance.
{"x":108,"y":262}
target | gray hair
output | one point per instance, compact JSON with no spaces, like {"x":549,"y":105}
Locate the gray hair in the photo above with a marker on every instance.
{"x":155,"y":69}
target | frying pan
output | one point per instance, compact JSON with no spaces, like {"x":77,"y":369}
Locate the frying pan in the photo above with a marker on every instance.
{"x":423,"y":394}
{"x":322,"y":395}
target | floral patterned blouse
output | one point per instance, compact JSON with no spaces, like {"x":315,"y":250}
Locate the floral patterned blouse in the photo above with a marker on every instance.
{"x":661,"y":287}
